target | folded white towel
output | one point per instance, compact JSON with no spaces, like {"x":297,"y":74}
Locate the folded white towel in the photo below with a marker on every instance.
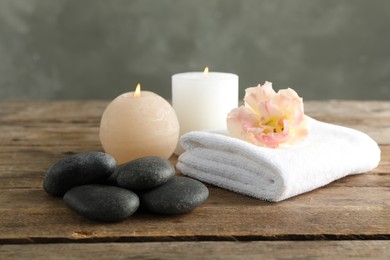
{"x":328,"y":153}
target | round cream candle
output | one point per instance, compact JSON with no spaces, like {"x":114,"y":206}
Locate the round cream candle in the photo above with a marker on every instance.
{"x":202,"y":100}
{"x":138,"y":124}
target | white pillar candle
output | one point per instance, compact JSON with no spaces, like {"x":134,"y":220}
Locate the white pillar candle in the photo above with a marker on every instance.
{"x":138,"y":124}
{"x":202,"y":100}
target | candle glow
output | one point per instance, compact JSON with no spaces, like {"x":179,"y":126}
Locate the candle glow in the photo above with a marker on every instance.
{"x":137,"y":91}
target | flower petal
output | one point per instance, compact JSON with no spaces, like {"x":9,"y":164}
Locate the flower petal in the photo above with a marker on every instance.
{"x":239,"y":120}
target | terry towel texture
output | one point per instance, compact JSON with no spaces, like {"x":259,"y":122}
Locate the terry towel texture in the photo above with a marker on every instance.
{"x":328,"y":153}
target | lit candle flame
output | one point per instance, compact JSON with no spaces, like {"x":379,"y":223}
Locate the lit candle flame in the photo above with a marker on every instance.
{"x":206,"y":70}
{"x":137,"y":91}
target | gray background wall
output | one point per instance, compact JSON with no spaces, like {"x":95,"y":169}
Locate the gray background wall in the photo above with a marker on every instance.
{"x":96,"y":49}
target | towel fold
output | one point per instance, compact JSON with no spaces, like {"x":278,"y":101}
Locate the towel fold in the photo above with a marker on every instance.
{"x":328,"y":153}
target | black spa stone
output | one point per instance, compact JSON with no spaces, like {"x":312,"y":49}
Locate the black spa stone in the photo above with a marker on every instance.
{"x":78,"y":169}
{"x":112,"y":179}
{"x":102,"y":202}
{"x":145,"y":173}
{"x":179,"y":195}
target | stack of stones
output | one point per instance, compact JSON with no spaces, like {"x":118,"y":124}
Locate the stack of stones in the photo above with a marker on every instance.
{"x":92,"y":185}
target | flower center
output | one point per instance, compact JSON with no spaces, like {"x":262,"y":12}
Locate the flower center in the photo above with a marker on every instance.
{"x":274,"y":125}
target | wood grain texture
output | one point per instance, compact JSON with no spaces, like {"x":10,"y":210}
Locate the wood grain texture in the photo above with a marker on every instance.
{"x":203,"y":250}
{"x":33,"y":216}
{"x":35,"y":134}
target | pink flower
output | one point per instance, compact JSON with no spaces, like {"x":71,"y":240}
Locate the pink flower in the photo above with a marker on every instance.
{"x":268,"y":118}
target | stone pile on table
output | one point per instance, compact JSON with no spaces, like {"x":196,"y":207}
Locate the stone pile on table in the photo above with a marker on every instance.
{"x":93,"y":186}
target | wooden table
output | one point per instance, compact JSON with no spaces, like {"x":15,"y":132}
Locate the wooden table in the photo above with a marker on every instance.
{"x":348,"y":218}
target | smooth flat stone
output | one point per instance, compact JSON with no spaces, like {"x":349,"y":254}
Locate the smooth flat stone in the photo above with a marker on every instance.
{"x":179,"y":195}
{"x":145,"y":173}
{"x":101,"y":202}
{"x":76,"y":170}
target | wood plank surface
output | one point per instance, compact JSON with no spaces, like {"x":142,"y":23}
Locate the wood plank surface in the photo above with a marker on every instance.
{"x":35,"y":134}
{"x":204,"y":250}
